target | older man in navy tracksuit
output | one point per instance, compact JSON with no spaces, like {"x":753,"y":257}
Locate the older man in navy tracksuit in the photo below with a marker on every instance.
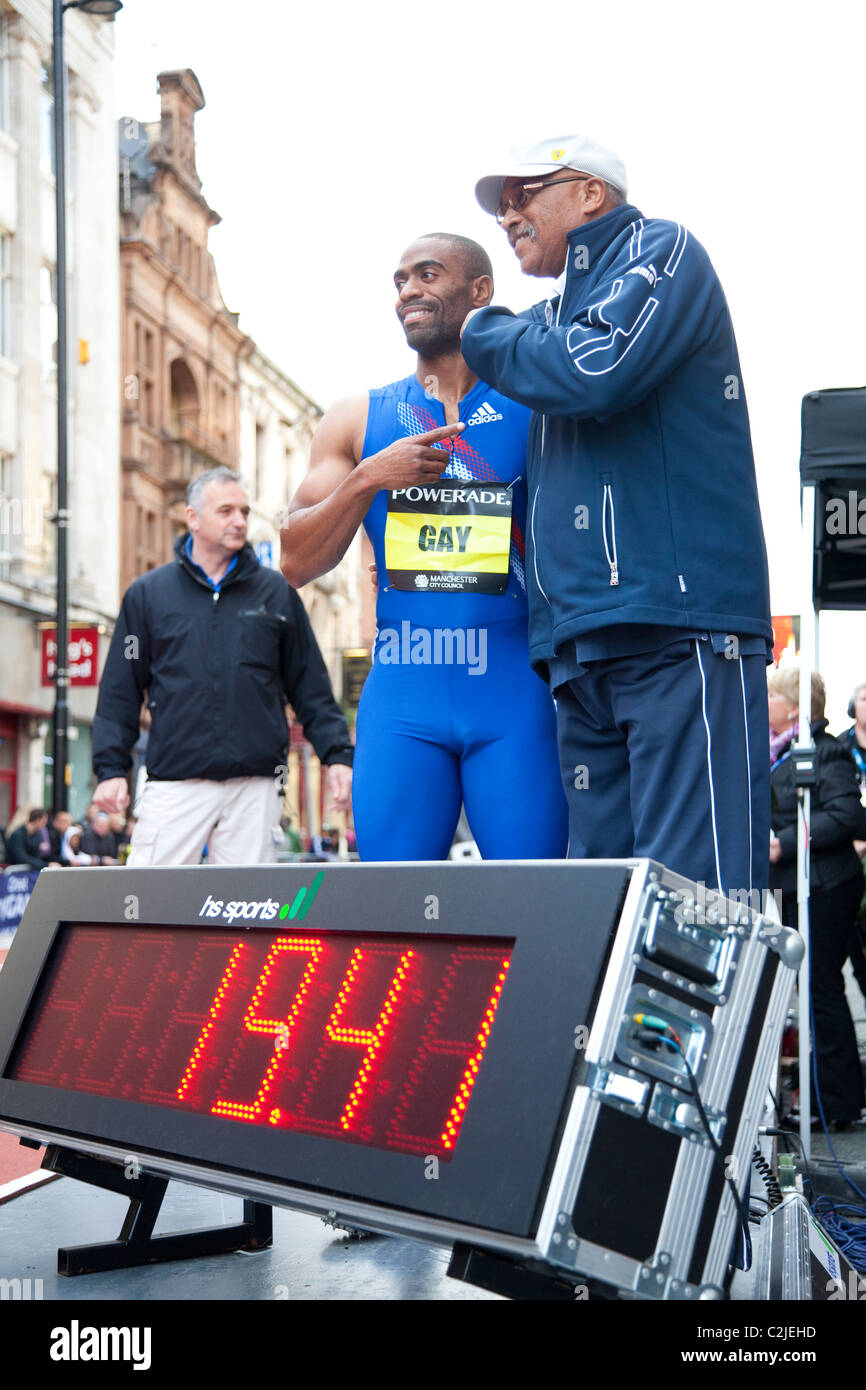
{"x":649,"y":594}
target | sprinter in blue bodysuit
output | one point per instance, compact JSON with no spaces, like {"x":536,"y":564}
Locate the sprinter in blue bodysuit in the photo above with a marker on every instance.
{"x":434,"y":467}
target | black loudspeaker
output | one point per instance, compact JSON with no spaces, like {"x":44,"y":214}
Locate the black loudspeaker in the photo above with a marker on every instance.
{"x":833,"y":459}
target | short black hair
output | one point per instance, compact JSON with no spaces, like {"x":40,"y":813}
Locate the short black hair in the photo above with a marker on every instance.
{"x":473,"y":258}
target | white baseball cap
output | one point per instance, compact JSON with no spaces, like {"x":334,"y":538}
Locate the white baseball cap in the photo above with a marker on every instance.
{"x":566,"y":152}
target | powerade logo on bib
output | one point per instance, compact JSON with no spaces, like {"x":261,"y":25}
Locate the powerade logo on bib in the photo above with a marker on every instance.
{"x":450,"y":537}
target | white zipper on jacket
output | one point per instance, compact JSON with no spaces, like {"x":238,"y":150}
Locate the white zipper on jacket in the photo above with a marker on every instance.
{"x":532,"y":533}
{"x":611,"y":556}
{"x":535,"y":494}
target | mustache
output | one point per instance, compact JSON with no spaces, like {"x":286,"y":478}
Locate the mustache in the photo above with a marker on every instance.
{"x":528,"y":230}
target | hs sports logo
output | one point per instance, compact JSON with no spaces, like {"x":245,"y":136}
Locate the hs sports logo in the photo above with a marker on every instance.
{"x":264,"y":911}
{"x":484,"y":415}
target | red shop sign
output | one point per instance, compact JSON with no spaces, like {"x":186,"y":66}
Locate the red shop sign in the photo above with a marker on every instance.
{"x":83,"y":651}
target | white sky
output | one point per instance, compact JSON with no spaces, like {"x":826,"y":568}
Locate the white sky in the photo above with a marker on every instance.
{"x":333,"y":136}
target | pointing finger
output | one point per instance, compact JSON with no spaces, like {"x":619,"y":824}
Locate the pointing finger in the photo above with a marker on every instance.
{"x":443,"y":432}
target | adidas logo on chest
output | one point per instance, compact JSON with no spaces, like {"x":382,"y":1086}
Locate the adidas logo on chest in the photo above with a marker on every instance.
{"x":484,"y":415}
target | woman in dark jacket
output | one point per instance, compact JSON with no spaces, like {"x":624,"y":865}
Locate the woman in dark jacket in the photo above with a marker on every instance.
{"x":854,"y":739}
{"x":835,"y":882}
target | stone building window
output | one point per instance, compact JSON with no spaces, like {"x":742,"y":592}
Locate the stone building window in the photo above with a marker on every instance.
{"x":166,"y":241}
{"x":5,"y":291}
{"x":49,"y":507}
{"x":47,"y":152}
{"x":144,"y":360}
{"x":5,"y":512}
{"x":260,"y":461}
{"x":48,"y":321}
{"x":184,"y":401}
{"x":4,"y":72}
{"x":148,"y":540}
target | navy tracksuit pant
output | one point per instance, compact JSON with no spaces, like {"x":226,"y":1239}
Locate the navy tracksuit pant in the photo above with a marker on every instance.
{"x":666,"y":755}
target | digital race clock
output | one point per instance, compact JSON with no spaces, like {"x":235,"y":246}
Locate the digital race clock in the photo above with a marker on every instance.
{"x":464,"y":1053}
{"x":333,"y":1030}
{"x":376,"y":1041}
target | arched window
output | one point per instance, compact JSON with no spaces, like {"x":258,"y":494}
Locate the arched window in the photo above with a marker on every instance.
{"x":184,"y":401}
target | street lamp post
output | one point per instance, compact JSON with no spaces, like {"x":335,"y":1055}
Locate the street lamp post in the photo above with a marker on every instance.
{"x":60,"y":787}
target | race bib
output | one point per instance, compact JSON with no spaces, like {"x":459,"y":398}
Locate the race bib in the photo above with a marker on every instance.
{"x":450,"y":537}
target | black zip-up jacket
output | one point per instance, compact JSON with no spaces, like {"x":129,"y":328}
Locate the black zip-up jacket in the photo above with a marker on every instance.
{"x":218,"y":668}
{"x":23,"y":847}
{"x":836,"y":820}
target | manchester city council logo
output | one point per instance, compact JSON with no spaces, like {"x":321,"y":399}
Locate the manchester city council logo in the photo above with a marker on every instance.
{"x":421,"y":581}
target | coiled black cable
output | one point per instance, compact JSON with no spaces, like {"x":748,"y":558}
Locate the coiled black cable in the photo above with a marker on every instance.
{"x":774,"y":1191}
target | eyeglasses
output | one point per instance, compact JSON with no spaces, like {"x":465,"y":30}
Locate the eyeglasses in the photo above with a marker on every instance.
{"x":526,"y":191}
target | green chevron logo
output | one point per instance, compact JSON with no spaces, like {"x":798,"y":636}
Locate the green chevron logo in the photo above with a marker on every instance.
{"x":303,"y":900}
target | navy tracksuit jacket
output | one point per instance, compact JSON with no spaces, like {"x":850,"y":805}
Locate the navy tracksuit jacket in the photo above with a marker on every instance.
{"x":646,"y":563}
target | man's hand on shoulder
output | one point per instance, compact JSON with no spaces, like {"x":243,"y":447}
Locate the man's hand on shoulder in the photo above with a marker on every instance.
{"x":112,"y":795}
{"x":340,"y":786}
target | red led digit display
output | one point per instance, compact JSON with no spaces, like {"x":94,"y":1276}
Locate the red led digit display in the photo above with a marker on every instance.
{"x":368,"y":1040}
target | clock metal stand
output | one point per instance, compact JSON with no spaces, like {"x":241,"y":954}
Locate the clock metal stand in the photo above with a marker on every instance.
{"x":136,"y":1244}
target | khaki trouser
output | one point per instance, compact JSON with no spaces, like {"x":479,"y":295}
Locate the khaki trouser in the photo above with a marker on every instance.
{"x":235,"y":819}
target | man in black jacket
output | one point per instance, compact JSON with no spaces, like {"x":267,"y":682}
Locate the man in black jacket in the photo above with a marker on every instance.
{"x":57,"y":827}
{"x":27,"y":844}
{"x":99,"y":841}
{"x":219,"y":644}
{"x":835,"y":882}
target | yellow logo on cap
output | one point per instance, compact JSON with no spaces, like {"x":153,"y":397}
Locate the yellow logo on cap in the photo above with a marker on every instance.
{"x":557,"y":154}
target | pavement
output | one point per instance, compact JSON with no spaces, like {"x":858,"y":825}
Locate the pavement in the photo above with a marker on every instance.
{"x":308,"y":1261}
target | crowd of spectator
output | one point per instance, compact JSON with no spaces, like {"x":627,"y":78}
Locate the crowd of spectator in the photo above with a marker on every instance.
{"x":39,"y":839}
{"x":301,"y":845}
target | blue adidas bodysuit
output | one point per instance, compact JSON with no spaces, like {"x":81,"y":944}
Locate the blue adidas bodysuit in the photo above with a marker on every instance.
{"x":451,"y":709}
